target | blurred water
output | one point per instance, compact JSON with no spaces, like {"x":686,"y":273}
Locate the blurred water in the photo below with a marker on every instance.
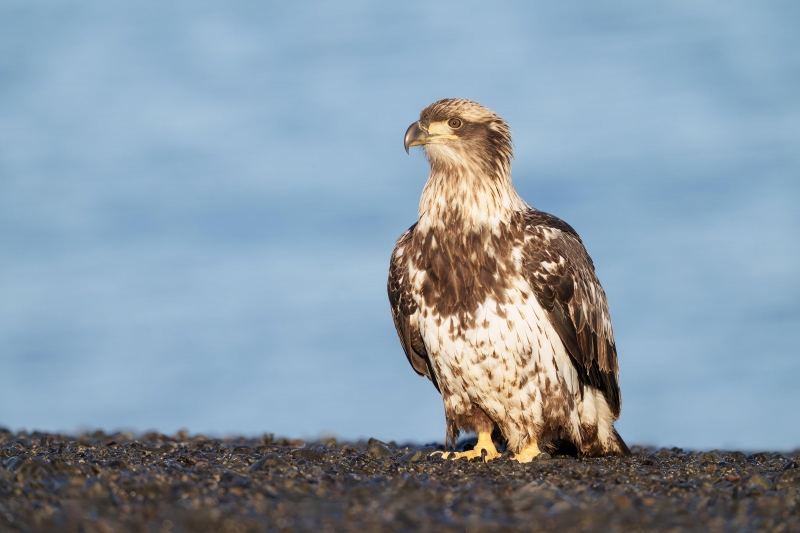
{"x":198,"y":202}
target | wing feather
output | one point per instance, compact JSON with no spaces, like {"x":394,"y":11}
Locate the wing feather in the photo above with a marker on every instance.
{"x":562,"y":275}
{"x":404,"y":310}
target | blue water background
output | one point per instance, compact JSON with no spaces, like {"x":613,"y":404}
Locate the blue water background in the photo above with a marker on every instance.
{"x":198,"y":201}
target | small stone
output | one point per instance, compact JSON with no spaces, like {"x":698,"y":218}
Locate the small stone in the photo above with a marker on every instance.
{"x":271,"y":461}
{"x":710,"y":458}
{"x":310,"y":454}
{"x":94,"y":489}
{"x":544,"y":456}
{"x":12,"y":463}
{"x":258,"y":465}
{"x":757,"y":480}
{"x":753,"y":491}
{"x":560,"y":507}
{"x":790,"y":478}
{"x":623,"y":502}
{"x":244,"y":450}
{"x":348,"y":450}
{"x":737,"y":456}
{"x":649,"y":501}
{"x":376,"y":449}
{"x":237,"y":491}
{"x":117,"y":463}
{"x":230,"y":476}
{"x":761,"y":457}
{"x":420,"y":454}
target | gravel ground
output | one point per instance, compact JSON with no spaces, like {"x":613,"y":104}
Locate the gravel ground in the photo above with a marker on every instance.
{"x":122,"y":482}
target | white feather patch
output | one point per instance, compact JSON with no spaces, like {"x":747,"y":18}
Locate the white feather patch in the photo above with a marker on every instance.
{"x":496,"y":363}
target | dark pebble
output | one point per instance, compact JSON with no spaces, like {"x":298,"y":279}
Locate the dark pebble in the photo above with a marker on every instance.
{"x":310,"y":454}
{"x":12,"y":463}
{"x":377,"y":449}
{"x":761,"y":457}
{"x":757,"y":480}
{"x":789,"y":479}
{"x":710,"y":458}
{"x":271,"y":461}
{"x":119,"y":482}
{"x":420,"y":454}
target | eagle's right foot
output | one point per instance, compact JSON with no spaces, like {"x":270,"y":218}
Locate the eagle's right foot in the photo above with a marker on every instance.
{"x":484,"y":444}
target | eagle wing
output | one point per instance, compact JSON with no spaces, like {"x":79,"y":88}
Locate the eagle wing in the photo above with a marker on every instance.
{"x":562,"y":276}
{"x":404,"y":309}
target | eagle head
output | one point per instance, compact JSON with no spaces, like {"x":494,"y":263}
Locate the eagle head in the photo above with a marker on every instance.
{"x":455,"y":132}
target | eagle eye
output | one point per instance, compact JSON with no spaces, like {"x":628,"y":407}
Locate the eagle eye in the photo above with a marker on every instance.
{"x":454,"y":123}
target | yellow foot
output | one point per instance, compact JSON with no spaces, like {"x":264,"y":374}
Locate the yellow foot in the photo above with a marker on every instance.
{"x":526,"y":455}
{"x":485,"y":444}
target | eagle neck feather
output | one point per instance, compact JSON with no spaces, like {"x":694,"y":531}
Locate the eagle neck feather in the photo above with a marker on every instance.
{"x":468,"y":198}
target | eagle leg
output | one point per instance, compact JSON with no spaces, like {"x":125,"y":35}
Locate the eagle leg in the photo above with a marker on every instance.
{"x":484,"y":444}
{"x":526,"y":454}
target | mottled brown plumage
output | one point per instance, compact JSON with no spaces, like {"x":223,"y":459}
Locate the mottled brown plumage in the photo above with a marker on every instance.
{"x":498,"y":303}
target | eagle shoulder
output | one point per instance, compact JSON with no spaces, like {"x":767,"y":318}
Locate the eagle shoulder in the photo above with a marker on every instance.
{"x":404,"y":310}
{"x":562,"y":276}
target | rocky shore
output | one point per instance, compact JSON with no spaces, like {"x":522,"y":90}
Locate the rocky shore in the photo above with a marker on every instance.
{"x":157,"y":483}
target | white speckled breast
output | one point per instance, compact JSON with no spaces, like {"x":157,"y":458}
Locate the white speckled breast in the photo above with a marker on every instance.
{"x":512,"y":364}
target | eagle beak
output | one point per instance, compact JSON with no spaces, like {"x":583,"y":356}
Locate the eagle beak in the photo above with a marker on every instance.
{"x":416,"y":134}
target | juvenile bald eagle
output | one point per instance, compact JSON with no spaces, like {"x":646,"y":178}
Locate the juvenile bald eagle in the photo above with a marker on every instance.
{"x":498,"y":303}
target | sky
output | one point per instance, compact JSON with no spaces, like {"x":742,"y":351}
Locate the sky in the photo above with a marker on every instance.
{"x":198,"y":202}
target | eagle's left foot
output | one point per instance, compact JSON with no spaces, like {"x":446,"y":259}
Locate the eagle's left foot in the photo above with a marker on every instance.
{"x":484,"y":444}
{"x":527,"y":454}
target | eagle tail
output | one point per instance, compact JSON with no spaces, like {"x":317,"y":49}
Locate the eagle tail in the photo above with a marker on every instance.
{"x":618,"y":446}
{"x":613,"y":446}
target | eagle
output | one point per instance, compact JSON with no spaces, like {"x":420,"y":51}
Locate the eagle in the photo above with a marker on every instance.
{"x":498,"y":303}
